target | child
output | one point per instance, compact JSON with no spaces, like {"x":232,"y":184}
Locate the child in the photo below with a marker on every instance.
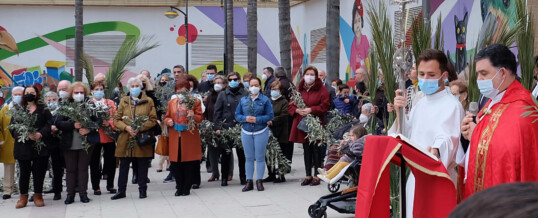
{"x":353,"y":147}
{"x":343,"y":103}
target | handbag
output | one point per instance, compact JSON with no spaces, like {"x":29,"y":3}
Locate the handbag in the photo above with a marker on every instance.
{"x":146,"y":138}
{"x":162,"y":146}
{"x":302,"y":125}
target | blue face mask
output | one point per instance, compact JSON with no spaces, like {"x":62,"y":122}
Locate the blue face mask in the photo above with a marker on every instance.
{"x":379,"y":83}
{"x":446,"y":81}
{"x":210,"y":77}
{"x":135,"y":92}
{"x":98,"y":94}
{"x":428,"y":86}
{"x":52,"y":105}
{"x":246,"y":84}
{"x":275,"y":93}
{"x":17,"y":99}
{"x":486,"y":87}
{"x":233,"y":84}
{"x":116,"y":90}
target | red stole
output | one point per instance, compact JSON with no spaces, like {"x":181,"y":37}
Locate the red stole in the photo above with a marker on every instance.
{"x":435,"y":193}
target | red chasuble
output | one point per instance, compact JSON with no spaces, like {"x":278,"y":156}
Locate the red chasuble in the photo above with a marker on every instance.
{"x":435,"y":193}
{"x":504,"y":145}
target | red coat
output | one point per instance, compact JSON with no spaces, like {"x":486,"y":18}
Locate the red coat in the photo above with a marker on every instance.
{"x":317,"y":99}
{"x":191,"y":147}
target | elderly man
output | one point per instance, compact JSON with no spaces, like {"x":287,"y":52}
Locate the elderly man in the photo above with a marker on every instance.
{"x":63,"y":86}
{"x":56,"y":154}
{"x":332,"y":93}
{"x":6,"y":149}
{"x":267,"y":75}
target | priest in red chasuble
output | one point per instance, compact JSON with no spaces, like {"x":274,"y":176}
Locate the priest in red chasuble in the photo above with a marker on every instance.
{"x":504,"y":141}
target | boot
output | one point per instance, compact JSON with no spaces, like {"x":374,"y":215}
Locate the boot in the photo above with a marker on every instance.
{"x":38,"y":200}
{"x":69,"y":199}
{"x":23,"y":200}
{"x":259,"y":185}
{"x":243,"y":180}
{"x":224,"y":182}
{"x":248,"y":186}
{"x":84,"y":198}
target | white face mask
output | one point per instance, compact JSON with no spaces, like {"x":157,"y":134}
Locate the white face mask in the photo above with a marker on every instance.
{"x":78,"y":97}
{"x":63,"y":94}
{"x":254,"y":90}
{"x":309,"y":79}
{"x":217,"y":87}
{"x":264,"y":77}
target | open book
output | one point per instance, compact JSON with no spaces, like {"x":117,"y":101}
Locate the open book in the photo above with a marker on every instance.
{"x":416,"y":147}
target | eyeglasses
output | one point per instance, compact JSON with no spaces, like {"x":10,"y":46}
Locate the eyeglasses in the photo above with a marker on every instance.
{"x":236,"y":79}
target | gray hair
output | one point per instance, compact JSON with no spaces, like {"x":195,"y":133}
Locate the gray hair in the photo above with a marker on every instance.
{"x":280,"y":72}
{"x":180,"y":67}
{"x":17,"y":88}
{"x":221,"y":77}
{"x":51,"y":93}
{"x":367,"y":106}
{"x":133,"y":79}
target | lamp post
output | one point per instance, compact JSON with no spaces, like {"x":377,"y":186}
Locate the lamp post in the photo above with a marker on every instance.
{"x":173,"y":14}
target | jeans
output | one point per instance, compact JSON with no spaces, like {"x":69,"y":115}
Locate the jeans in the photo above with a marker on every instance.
{"x":109,"y":166}
{"x":37,"y":167}
{"x":255,"y":146}
{"x":76,"y":164}
{"x":142,"y":172}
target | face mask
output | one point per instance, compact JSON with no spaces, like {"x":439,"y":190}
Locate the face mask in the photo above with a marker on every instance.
{"x":246,"y":84}
{"x":334,"y":87}
{"x":324,"y":80}
{"x":457,"y":97}
{"x":63,"y":94}
{"x":275,"y":93}
{"x":379,"y":83}
{"x":116,"y":90}
{"x":162,"y":83}
{"x":217,"y":87}
{"x":17,"y":99}
{"x":428,"y":86}
{"x":98,"y":94}
{"x":210,"y":77}
{"x":309,"y":79}
{"x":264,"y":77}
{"x":52,"y":105}
{"x":486,"y":87}
{"x":234,"y":84}
{"x":78,"y":97}
{"x":29,"y":97}
{"x":446,"y":81}
{"x":363,"y":118}
{"x":254,"y":90}
{"x":135,"y":92}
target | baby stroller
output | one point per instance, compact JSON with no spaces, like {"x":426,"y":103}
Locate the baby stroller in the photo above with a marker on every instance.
{"x":343,"y":201}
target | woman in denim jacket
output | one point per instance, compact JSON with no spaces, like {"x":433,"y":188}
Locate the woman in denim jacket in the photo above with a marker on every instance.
{"x":253,"y":112}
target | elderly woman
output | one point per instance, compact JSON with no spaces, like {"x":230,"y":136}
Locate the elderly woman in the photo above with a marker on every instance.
{"x":77,"y":157}
{"x":135,"y":105}
{"x":6,"y":153}
{"x":106,"y":143}
{"x":215,"y":153}
{"x":185,"y":147}
{"x":32,"y":160}
{"x":254,"y":112}
{"x":279,"y":127}
{"x":224,"y":117}
{"x":316,"y":98}
{"x":56,"y":154}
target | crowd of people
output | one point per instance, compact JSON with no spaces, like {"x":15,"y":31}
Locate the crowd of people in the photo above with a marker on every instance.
{"x":435,"y":105}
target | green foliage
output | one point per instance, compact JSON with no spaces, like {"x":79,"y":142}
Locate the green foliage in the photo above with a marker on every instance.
{"x":189,"y":101}
{"x":472,"y":86}
{"x":81,"y":112}
{"x":421,"y":37}
{"x":135,"y":124}
{"x":274,"y":156}
{"x":164,"y":93}
{"x":525,"y":44}
{"x":130,"y":49}
{"x":532,"y":110}
{"x":24,"y":124}
{"x":231,"y":138}
{"x":87,"y":65}
{"x":338,"y":120}
{"x":439,"y":42}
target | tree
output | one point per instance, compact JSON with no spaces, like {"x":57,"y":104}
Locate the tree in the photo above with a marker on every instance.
{"x":285,"y":35}
{"x":79,"y":43}
{"x":229,"y":36}
{"x":252,"y":29}
{"x":333,"y":39}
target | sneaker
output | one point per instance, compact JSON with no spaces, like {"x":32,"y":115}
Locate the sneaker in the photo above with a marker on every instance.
{"x":322,"y":171}
{"x":169,"y":179}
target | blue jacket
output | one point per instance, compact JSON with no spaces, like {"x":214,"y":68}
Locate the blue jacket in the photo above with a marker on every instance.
{"x":342,"y":107}
{"x":261,"y":108}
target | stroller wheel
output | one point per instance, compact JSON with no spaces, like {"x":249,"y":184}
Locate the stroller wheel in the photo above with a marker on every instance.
{"x":320,"y":212}
{"x":333,"y":188}
{"x":313,"y":208}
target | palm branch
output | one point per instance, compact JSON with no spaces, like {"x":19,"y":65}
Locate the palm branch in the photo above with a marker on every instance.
{"x":439,"y":42}
{"x":87,"y":64}
{"x":473,"y":91}
{"x":525,"y":44}
{"x":421,"y":37}
{"x":131,"y":48}
{"x":372,"y":82}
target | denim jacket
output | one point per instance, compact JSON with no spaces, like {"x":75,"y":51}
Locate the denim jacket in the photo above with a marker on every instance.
{"x":261,"y":108}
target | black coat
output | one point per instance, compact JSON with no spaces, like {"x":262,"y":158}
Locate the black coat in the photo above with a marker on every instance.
{"x":280,"y":120}
{"x":67,"y":126}
{"x":26,"y":150}
{"x":205,"y":87}
{"x":227,"y":101}
{"x":156,"y":102}
{"x":209,"y":103}
{"x":267,"y":86}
